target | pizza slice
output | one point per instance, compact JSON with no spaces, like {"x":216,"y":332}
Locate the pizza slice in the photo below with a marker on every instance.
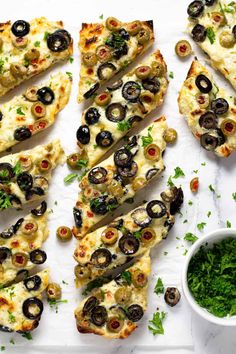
{"x":212,"y":25}
{"x":126,"y":237}
{"x":108,"y":47}
{"x":122,"y":105}
{"x":21,"y":304}
{"x":210,"y":111}
{"x":114,"y":310}
{"x":33,"y":111}
{"x":20,"y":245}
{"x":118,"y":178}
{"x":25,"y":176}
{"x":28,"y":48}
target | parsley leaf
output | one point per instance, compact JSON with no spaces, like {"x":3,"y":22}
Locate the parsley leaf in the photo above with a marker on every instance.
{"x":82,"y":163}
{"x":170,"y":182}
{"x":211,"y":188}
{"x":71,"y":59}
{"x":5,"y":201}
{"x":209,"y":214}
{"x":159,"y":287}
{"x":70,"y":178}
{"x":126,"y":276}
{"x":178,"y":173}
{"x":171,"y":74}
{"x":234,"y":196}
{"x":156,"y":326}
{"x":17,"y":168}
{"x":37,"y":44}
{"x":27,"y":335}
{"x":101,"y":17}
{"x":211,"y":34}
{"x":146,"y":140}
{"x":190,"y":237}
{"x":54,"y":304}
{"x":201,"y":226}
{"x":228,"y":224}
{"x":137,"y":234}
{"x":1,"y":65}
{"x":19,"y":111}
{"x":46,"y":34}
{"x":69,"y":74}
{"x":123,"y":126}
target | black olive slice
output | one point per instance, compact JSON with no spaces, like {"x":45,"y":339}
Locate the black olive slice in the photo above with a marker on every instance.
{"x":38,"y":256}
{"x":1,"y":116}
{"x":20,"y":28}
{"x":120,"y":51}
{"x":209,"y":142}
{"x":134,"y":312}
{"x":203,"y":84}
{"x":141,"y":217}
{"x":131,"y":91}
{"x":115,"y":85}
{"x":233,"y":31}
{"x":123,"y":157}
{"x":128,"y":244}
{"x":101,"y":258}
{"x":65,"y":33}
{"x":210,"y":2}
{"x":168,"y":224}
{"x":195,"y":9}
{"x":58,"y":41}
{"x":97,"y":175}
{"x":29,"y":308}
{"x":92,"y":116}
{"x":134,"y":120}
{"x":208,"y":120}
{"x":5,"y":329}
{"x":6,"y":172}
{"x":151,"y":173}
{"x":177,"y":202}
{"x":83,"y":134}
{"x":199,"y":33}
{"x":124,"y":34}
{"x":17,"y":225}
{"x":21,"y":134}
{"x":129,"y":171}
{"x":24,"y":181}
{"x":45,"y":95}
{"x":39,"y":211}
{"x":4,"y":254}
{"x":104,"y":71}
{"x":115,"y":112}
{"x":170,"y":194}
{"x":33,"y":283}
{"x":99,"y":205}
{"x":77,"y":217}
{"x":156,"y":209}
{"x":220,"y":106}
{"x":21,"y":275}
{"x":90,"y":304}
{"x":153,"y":85}
{"x":104,"y":139}
{"x":99,"y":315}
{"x":15,"y":201}
{"x":172,"y":296}
{"x":11,"y":230}
{"x":33,"y":191}
{"x":91,"y":91}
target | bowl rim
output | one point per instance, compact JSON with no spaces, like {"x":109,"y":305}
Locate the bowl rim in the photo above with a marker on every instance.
{"x":209,"y":237}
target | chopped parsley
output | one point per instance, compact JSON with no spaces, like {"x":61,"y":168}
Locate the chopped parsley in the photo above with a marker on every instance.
{"x":70,"y":178}
{"x":137,"y":234}
{"x":11,"y":317}
{"x":190,"y":202}
{"x":54,"y":304}
{"x":5,"y":201}
{"x":203,"y":164}
{"x":156,"y":326}
{"x":123,"y":126}
{"x":209,"y":214}
{"x":19,"y":111}
{"x":69,"y":74}
{"x":37,"y":44}
{"x":64,"y":282}
{"x":190,"y":237}
{"x":27,"y":335}
{"x":201,"y":226}
{"x":2,"y":348}
{"x":211,"y":188}
{"x":101,"y":17}
{"x":146,"y":140}
{"x":178,"y":172}
{"x":234,"y":196}
{"x":185,"y":221}
{"x":1,"y":65}
{"x":229,"y":8}
{"x":185,"y":252}
{"x":17,"y":168}
{"x":46,"y":34}
{"x":165,"y":253}
{"x":26,"y":63}
{"x":159,"y":287}
{"x":170,"y":182}
{"x":211,"y":34}
{"x":126,"y":276}
{"x":171,"y":74}
{"x":12,"y":341}
{"x":228,"y":224}
{"x":195,"y":171}
{"x":71,"y":59}
{"x":82,"y":163}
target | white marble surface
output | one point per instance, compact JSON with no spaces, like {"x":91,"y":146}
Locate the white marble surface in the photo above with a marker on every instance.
{"x":185,"y":332}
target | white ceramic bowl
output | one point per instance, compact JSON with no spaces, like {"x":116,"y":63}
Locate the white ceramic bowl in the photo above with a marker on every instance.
{"x":212,"y":237}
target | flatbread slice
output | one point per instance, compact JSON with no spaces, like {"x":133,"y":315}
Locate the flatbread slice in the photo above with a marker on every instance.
{"x":121,"y":106}
{"x":114,"y":310}
{"x":108,"y":47}
{"x":209,"y":110}
{"x":33,"y":111}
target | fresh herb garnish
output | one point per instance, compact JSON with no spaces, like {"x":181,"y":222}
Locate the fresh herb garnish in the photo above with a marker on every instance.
{"x":1,"y":65}
{"x":209,"y":214}
{"x":146,"y":140}
{"x":137,"y":234}
{"x":69,"y":74}
{"x":82,"y":163}
{"x":19,"y":111}
{"x":159,"y":287}
{"x":37,"y":44}
{"x":70,"y":178}
{"x":190,"y":237}
{"x":71,"y":59}
{"x":5,"y":201}
{"x":171,"y":74}
{"x":228,"y":224}
{"x":12,"y":318}
{"x":190,"y":202}
{"x":234,"y":196}
{"x":123,"y":126}
{"x":211,"y":188}
{"x":156,"y":326}
{"x":46,"y":34}
{"x":178,"y":172}
{"x":126,"y":276}
{"x":54,"y":304}
{"x":211,"y":34}
{"x":27,"y":335}
{"x":201,"y":226}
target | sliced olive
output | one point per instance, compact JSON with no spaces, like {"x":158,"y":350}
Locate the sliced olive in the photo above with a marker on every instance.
{"x":138,"y":183}
{"x":33,"y":283}
{"x":41,"y":210}
{"x":44,"y":165}
{"x":15,"y":201}
{"x":177,"y":202}
{"x":20,"y":42}
{"x":133,"y":27}
{"x":219,"y":18}
{"x":103,"y":53}
{"x":128,"y":171}
{"x":131,"y":91}
{"x":66,"y":34}
{"x":45,"y":95}
{"x":199,"y":33}
{"x":113,"y":24}
{"x":203,"y":100}
{"x":58,"y":41}
{"x":89,"y":59}
{"x":19,"y":259}
{"x":170,"y":194}
{"x":29,"y":227}
{"x":116,"y":189}
{"x":109,"y":236}
{"x":228,"y":127}
{"x":152,"y":84}
{"x":134,"y":120}
{"x":103,"y":99}
{"x":21,"y":134}
{"x":210,"y":2}
{"x":115,"y":112}
{"x":106,"y":70}
{"x":53,"y":291}
{"x":42,"y":183}
{"x":143,"y":72}
{"x":123,"y":157}
{"x":128,"y":244}
{"x":89,"y":305}
{"x":6,"y":172}
{"x":172,"y":296}
{"x":97,"y":175}
{"x":101,"y":258}
{"x":220,"y":106}
{"x":124,"y":34}
{"x":115,"y":324}
{"x":91,"y":91}
{"x":115,"y":86}
{"x":5,"y":329}
{"x":134,"y":312}
{"x":38,"y":256}
{"x":152,"y":152}
{"x":203,"y":84}
{"x":82,"y":272}
{"x":99,"y":315}
{"x":101,"y":206}
{"x":77,"y":213}
{"x":143,"y":36}
{"x":32,"y":308}
{"x":92,"y":116}
{"x":83,"y":133}
{"x":151,"y":173}
{"x":183,"y":48}
{"x":195,"y":9}
{"x":146,"y":97}
{"x":73,"y":159}
{"x":1,"y":116}
{"x":148,"y":234}
{"x":38,"y":110}
{"x":104,"y":139}
{"x":32,"y":54}
{"x":158,"y":69}
{"x":18,"y":70}
{"x":156,"y":209}
{"x":20,"y":28}
{"x":234,"y":31}
{"x":4,"y":254}
{"x":64,"y":233}
{"x":123,"y":295}
{"x":8,"y":233}
{"x":139,"y":278}
{"x":7,"y":79}
{"x":170,"y":135}
{"x":31,"y":94}
{"x":208,"y":120}
{"x":24,"y":181}
{"x":30,"y":193}
{"x":227,"y":39}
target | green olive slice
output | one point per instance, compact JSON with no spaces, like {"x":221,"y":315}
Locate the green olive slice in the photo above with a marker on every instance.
{"x":228,"y":127}
{"x":44,"y":165}
{"x":143,"y":36}
{"x":29,"y":227}
{"x":18,"y":70}
{"x":115,"y":324}
{"x":19,"y":259}
{"x":82,"y":272}
{"x":133,"y":28}
{"x":38,"y":110}
{"x":89,"y":59}
{"x":203,"y":99}
{"x":123,"y":295}
{"x":1,"y":43}
{"x":103,"y":99}
{"x":227,"y":39}
{"x":7,"y":79}
{"x":32,"y":54}
{"x":170,"y":135}
{"x":158,"y":68}
{"x":53,"y":291}
{"x":64,"y":233}
{"x":109,"y":236}
{"x":147,"y":97}
{"x":20,"y":42}
{"x":148,"y":234}
{"x":31,"y":94}
{"x":139,"y":278}
{"x":152,"y":152}
{"x":103,"y":53}
{"x":143,"y":72}
{"x":183,"y":48}
{"x":219,"y":18}
{"x":113,"y":24}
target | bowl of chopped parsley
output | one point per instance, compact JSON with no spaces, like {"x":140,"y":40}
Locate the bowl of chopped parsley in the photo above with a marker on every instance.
{"x":209,"y":277}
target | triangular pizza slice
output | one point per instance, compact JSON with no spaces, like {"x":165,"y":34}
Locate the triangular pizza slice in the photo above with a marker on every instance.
{"x":209,"y":110}
{"x":28,"y":48}
{"x":25,"y":176}
{"x":21,"y":304}
{"x":121,"y":106}
{"x":108,"y":47}
{"x":20,"y":245}
{"x":114,"y":310}
{"x":126,"y":237}
{"x":33,"y":111}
